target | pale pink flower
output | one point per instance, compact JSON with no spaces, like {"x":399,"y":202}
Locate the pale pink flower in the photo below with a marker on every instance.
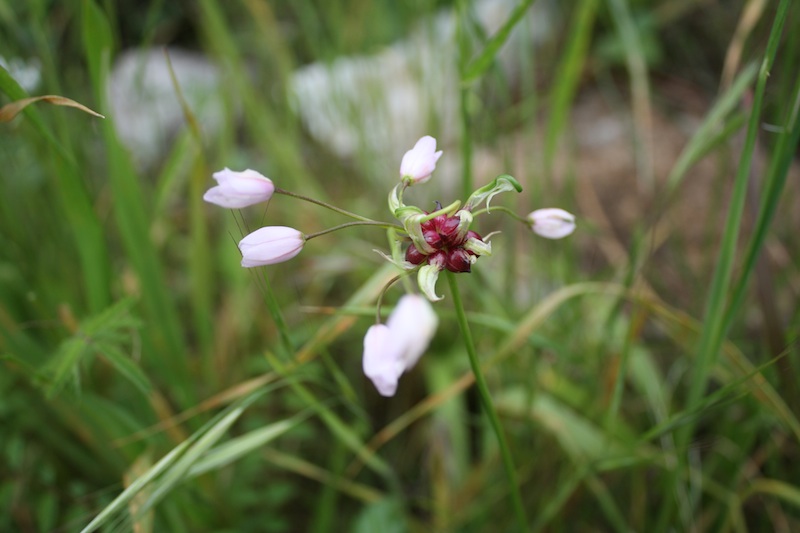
{"x":382,"y":363}
{"x":552,"y":222}
{"x":239,"y":189}
{"x":412,"y":325}
{"x":418,"y":163}
{"x":394,"y":348}
{"x":270,"y":245}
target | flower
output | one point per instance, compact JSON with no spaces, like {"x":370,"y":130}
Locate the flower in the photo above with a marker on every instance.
{"x":270,"y":245}
{"x":418,"y":163}
{"x":552,"y":222}
{"x":412,"y":325}
{"x":394,"y":348}
{"x":381,"y":362}
{"x":239,"y":189}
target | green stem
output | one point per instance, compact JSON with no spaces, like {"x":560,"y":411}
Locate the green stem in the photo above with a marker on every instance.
{"x":323,"y":204}
{"x":382,"y":294}
{"x":505,"y":210}
{"x":351,"y":224}
{"x":274,"y":308}
{"x":486,"y":402}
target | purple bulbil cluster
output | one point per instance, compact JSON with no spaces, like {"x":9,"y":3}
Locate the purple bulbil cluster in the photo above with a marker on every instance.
{"x":442,"y":234}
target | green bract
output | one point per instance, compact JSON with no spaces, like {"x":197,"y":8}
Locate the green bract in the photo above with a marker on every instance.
{"x":503,"y":183}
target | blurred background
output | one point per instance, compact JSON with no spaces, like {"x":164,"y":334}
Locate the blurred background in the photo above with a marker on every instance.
{"x":644,"y":369}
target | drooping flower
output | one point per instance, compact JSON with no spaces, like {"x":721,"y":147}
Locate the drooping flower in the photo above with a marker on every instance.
{"x":394,"y":348}
{"x":381,"y":361}
{"x":412,"y":325}
{"x":552,"y":222}
{"x":418,"y":163}
{"x":270,"y":245}
{"x":239,"y":189}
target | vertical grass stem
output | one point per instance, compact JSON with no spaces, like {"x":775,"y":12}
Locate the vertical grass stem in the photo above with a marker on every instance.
{"x":486,"y":403}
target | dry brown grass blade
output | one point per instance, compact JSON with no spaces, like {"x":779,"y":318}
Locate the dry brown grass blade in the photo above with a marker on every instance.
{"x":750,"y":16}
{"x":140,"y":524}
{"x":11,"y":110}
{"x":309,"y":470}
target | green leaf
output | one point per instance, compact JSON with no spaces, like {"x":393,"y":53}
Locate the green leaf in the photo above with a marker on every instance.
{"x":704,"y":137}
{"x":478,"y":66}
{"x":236,"y":448}
{"x":66,"y":363}
{"x":105,"y":334}
{"x":124,"y":365}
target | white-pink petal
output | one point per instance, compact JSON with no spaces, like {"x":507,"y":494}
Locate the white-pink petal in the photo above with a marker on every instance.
{"x":552,"y":222}
{"x":381,"y":361}
{"x":412,"y":325}
{"x":419,"y":163}
{"x":270,"y":245}
{"x":393,"y":349}
{"x":236,"y":190}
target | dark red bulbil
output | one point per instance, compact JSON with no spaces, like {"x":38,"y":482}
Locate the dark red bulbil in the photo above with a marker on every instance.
{"x":441,"y":234}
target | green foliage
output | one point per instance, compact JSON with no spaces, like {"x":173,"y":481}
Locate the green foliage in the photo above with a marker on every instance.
{"x":643,"y":372}
{"x":107,"y":335}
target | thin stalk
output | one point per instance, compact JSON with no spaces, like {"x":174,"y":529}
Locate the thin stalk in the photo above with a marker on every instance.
{"x":464,"y":53}
{"x":486,"y":402}
{"x":466,"y":143}
{"x":398,"y":255}
{"x":383,"y":293}
{"x":351,"y":224}
{"x":274,"y":309}
{"x":502,"y":209}
{"x":322,"y":204}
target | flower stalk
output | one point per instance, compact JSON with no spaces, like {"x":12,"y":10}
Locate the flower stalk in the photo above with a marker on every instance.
{"x":351,"y":224}
{"x":326,"y":205}
{"x":487,"y":404}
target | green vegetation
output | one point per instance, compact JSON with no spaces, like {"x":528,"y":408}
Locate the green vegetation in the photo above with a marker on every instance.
{"x":642,"y":371}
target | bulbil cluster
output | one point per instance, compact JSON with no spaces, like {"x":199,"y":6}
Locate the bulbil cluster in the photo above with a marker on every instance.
{"x":444,"y":236}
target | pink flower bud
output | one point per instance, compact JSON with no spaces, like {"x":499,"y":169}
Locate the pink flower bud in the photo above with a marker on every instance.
{"x":270,"y":245}
{"x":418,"y":163}
{"x":239,"y":189}
{"x":552,"y":222}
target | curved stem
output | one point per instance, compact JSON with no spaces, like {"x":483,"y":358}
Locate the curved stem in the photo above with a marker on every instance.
{"x":323,"y":204}
{"x":383,"y":293}
{"x":351,"y":224}
{"x":486,"y":402}
{"x":505,"y":210}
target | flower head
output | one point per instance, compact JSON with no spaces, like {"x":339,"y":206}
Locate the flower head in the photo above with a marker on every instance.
{"x":270,"y":245}
{"x":552,"y":222}
{"x":239,"y":189}
{"x":419,"y":163}
{"x":394,"y":348}
{"x":443,"y":242}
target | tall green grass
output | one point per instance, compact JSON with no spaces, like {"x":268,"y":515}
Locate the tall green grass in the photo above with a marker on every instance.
{"x":149,"y":383}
